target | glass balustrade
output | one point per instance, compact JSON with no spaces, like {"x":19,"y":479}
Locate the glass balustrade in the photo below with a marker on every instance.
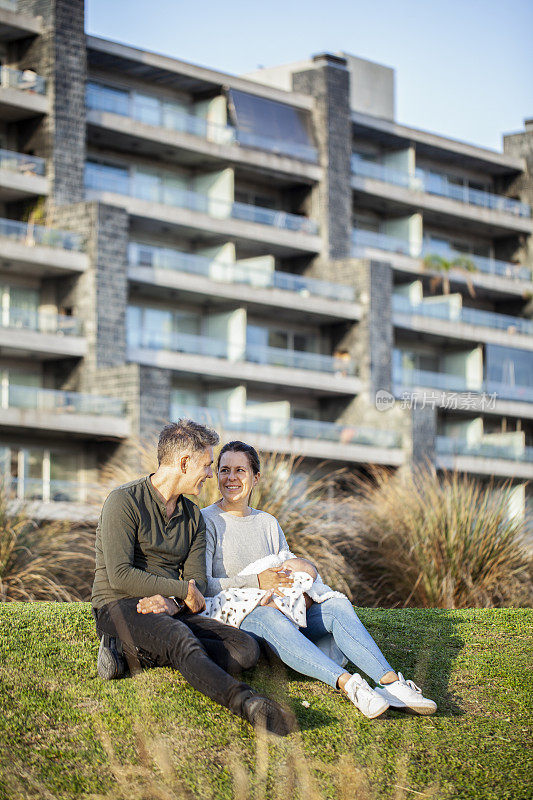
{"x":158,"y":339}
{"x":166,"y":258}
{"x":22,"y":163}
{"x":245,"y":421}
{"x":433,"y":183}
{"x":44,"y":322}
{"x":53,"y":491}
{"x":159,"y":113}
{"x":10,"y":5}
{"x":100,"y":179}
{"x":471,"y":316}
{"x":446,"y":445}
{"x":25,"y":80}
{"x":446,"y":382}
{"x":362,"y":239}
{"x":61,"y":402}
{"x":30,"y":234}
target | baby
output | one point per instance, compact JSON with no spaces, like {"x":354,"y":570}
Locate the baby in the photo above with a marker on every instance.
{"x":233,"y":605}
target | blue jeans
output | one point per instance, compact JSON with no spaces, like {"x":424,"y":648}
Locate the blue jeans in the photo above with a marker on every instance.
{"x":295,"y":645}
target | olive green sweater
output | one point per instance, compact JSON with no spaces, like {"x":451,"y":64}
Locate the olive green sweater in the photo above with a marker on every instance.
{"x":140,"y":552}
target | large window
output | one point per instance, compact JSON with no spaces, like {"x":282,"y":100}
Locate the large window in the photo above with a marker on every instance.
{"x":159,"y":327}
{"x":36,"y":473}
{"x":509,"y":366}
{"x":281,"y":338}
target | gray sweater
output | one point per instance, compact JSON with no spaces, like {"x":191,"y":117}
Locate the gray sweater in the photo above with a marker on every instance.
{"x":234,"y":542}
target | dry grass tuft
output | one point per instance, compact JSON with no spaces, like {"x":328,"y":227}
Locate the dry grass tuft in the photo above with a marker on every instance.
{"x":438,"y":542}
{"x":42,"y":561}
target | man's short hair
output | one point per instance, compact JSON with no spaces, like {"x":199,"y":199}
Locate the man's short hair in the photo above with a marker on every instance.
{"x":184,"y":436}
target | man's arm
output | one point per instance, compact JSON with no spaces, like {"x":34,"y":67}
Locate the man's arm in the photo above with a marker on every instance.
{"x":118,"y":529}
{"x":194,"y":564}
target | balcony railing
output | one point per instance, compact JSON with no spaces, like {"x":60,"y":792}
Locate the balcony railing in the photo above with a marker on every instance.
{"x":52,"y":401}
{"x":445,"y":382}
{"x":26,"y":80}
{"x":31,"y":235}
{"x":445,"y":445}
{"x":471,"y":316}
{"x":298,"y":359}
{"x":54,"y":491}
{"x":100,"y":181}
{"x":218,"y":348}
{"x":44,"y":322}
{"x":393,"y":244}
{"x":433,"y":183}
{"x":162,"y":116}
{"x":246,"y":421}
{"x":10,"y":5}
{"x":165,"y":258}
{"x":20,"y":162}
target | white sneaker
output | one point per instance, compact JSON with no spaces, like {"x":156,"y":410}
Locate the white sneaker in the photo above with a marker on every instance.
{"x":406,"y":694}
{"x":364,"y":698}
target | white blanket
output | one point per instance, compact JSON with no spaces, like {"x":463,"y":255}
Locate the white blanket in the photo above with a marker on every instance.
{"x":231,"y":606}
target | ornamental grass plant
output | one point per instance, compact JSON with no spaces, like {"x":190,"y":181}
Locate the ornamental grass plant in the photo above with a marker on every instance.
{"x":42,"y":561}
{"x":438,"y":541}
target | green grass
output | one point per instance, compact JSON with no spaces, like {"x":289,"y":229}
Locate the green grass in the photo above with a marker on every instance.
{"x":66,"y":734}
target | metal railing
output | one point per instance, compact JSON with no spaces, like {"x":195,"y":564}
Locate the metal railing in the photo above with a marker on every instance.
{"x":471,"y":316}
{"x":31,"y":235}
{"x":42,"y":321}
{"x":166,"y":258}
{"x":445,"y":445}
{"x":60,"y":402}
{"x":20,"y":162}
{"x":362,"y":239}
{"x":245,"y":421}
{"x":26,"y":80}
{"x":433,"y":183}
{"x":162,"y":115}
{"x":157,"y":339}
{"x":97,"y":180}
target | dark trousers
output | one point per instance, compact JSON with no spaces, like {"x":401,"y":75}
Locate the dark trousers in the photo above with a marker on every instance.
{"x":202,"y":649}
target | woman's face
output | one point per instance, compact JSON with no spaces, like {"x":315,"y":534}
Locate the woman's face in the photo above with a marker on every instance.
{"x":235,"y":477}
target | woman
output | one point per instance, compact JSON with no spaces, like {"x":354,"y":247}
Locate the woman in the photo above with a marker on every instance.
{"x":238,"y":535}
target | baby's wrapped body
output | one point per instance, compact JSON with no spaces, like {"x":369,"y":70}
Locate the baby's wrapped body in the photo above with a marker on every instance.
{"x":233,"y":605}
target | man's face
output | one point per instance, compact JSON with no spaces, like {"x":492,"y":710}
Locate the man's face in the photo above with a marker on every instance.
{"x":198,"y":471}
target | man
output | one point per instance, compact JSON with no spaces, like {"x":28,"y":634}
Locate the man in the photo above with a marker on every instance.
{"x":150,"y":555}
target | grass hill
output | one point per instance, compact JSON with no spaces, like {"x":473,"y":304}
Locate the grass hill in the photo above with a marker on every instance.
{"x":66,"y":734}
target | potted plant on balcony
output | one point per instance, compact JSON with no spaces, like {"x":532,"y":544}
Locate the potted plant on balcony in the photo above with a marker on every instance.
{"x":444,"y":266}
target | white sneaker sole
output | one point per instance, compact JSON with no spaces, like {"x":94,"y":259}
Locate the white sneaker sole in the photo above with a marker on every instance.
{"x":399,"y":705}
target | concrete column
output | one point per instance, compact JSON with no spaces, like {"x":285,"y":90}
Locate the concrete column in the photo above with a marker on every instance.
{"x":154,"y":401}
{"x":519,"y":249}
{"x":329,"y":83}
{"x":59,"y":55}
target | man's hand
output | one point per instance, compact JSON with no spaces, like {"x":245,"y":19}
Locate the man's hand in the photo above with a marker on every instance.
{"x":195,"y":600}
{"x":274,"y":579}
{"x":156,"y":605}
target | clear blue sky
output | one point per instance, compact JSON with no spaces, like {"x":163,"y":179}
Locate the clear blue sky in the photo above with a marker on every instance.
{"x":464,"y":68}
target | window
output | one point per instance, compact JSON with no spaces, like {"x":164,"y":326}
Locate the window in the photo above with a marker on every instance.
{"x":106,"y":98}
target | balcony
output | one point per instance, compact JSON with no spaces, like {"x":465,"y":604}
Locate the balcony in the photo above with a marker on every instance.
{"x":14,"y":25}
{"x":467,"y":323}
{"x":439,"y":197}
{"x":39,"y":250}
{"x":87,"y":415}
{"x":22,"y":94}
{"x":254,"y":286}
{"x":40,"y":333}
{"x":193,"y":212}
{"x":21,"y":176}
{"x":455,"y":393}
{"x":189,"y":353}
{"x":365,"y":242}
{"x":158,"y":114}
{"x":310,"y":438}
{"x":484,"y":458}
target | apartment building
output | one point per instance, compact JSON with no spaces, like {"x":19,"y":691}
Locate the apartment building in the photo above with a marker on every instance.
{"x":270,"y":253}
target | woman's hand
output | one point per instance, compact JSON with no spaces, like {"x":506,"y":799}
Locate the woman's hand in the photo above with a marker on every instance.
{"x":274,"y":579}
